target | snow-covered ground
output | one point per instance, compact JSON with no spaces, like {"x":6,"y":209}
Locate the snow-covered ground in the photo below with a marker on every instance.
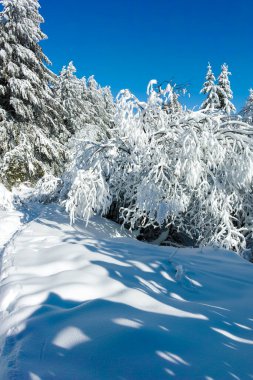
{"x":92,"y":303}
{"x":9,"y":224}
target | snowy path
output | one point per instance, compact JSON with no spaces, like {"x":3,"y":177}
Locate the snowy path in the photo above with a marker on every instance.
{"x":94,"y":304}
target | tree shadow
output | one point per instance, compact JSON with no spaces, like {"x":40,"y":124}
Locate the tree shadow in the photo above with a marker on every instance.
{"x":103,"y":340}
{"x":122,"y":337}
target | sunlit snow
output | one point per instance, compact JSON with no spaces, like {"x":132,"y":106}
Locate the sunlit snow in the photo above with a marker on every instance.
{"x":94,"y":303}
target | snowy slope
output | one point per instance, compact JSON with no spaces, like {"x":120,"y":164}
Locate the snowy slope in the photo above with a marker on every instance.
{"x":95,"y":304}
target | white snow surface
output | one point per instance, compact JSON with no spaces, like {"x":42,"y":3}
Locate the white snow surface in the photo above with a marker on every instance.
{"x":9,"y":224}
{"x":92,"y":303}
{"x":5,"y":198}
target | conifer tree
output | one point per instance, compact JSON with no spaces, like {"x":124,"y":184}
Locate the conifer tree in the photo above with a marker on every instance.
{"x":89,"y":107}
{"x":174,"y":105}
{"x":100,"y":107}
{"x":69,"y":92}
{"x":210,"y":89}
{"x":247,"y":111}
{"x":224,"y":91}
{"x":31,"y":129}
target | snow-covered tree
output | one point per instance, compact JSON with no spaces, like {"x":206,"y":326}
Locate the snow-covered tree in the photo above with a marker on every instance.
{"x":247,"y":111}
{"x":31,"y":129}
{"x":224,"y":91}
{"x":90,"y":107}
{"x":212,"y":102}
{"x":195,"y":173}
{"x":69,"y":91}
{"x":161,"y":108}
{"x":100,"y":103}
{"x":174,"y":106}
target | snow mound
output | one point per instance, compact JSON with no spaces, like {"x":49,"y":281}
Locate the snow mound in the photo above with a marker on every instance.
{"x":95,"y":304}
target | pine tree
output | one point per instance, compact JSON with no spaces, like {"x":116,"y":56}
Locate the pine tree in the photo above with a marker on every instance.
{"x":247,"y":111}
{"x":31,"y":128}
{"x":90,"y":107}
{"x":69,"y":92}
{"x":224,"y":91}
{"x":100,"y":106}
{"x":174,"y":105}
{"x":212,"y":101}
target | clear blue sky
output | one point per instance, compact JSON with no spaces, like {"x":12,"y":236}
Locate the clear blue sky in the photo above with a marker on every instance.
{"x":127,"y":43}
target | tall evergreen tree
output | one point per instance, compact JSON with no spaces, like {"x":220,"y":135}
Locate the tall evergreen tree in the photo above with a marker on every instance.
{"x":224,"y":91}
{"x":174,"y":105}
{"x":31,"y":128}
{"x":89,"y":107}
{"x":100,"y":105}
{"x":212,"y":102}
{"x":69,"y":91}
{"x":247,"y":111}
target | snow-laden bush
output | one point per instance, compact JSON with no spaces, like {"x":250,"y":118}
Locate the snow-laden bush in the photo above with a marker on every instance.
{"x":89,"y":192}
{"x":6,"y":199}
{"x":191,"y":170}
{"x":46,"y":190}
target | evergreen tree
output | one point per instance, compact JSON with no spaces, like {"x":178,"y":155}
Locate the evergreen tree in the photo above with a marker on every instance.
{"x":224,"y":91}
{"x":100,"y":107}
{"x":247,"y":111}
{"x":210,"y":89}
{"x":69,"y":92}
{"x":31,"y":128}
{"x":174,"y":105}
{"x":89,"y":107}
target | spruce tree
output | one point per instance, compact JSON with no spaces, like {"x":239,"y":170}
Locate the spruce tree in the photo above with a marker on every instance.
{"x":69,"y":91}
{"x":100,"y":107}
{"x":31,"y":129}
{"x":212,"y":102}
{"x":90,"y":107}
{"x":224,"y":91}
{"x":174,"y":105}
{"x":247,"y":111}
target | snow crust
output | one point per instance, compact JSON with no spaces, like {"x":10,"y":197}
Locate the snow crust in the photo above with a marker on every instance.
{"x":95,"y":304}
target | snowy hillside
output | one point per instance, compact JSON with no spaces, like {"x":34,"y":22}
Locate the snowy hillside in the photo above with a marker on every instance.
{"x":95,"y":304}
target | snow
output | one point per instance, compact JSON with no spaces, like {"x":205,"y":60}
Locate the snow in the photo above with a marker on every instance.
{"x":94,"y":303}
{"x":5,"y":198}
{"x":9,"y":224}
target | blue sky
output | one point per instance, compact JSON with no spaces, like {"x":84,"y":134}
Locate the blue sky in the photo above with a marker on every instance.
{"x":127,"y":43}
